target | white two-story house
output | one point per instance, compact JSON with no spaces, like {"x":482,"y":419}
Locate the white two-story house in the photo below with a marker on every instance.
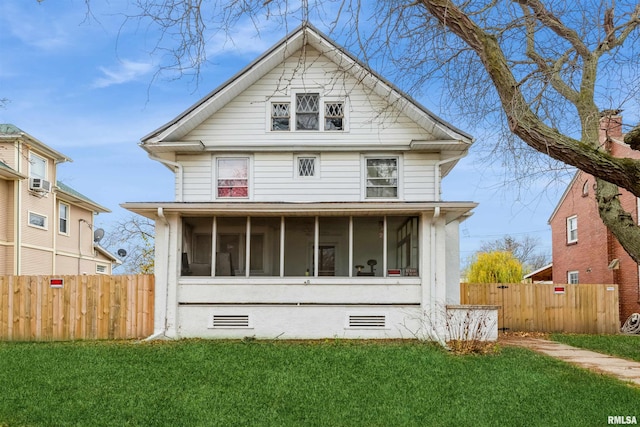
{"x":307,"y":203}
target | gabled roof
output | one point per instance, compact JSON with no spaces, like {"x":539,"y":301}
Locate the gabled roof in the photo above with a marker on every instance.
{"x":72,"y":196}
{"x":172,"y":132}
{"x":564,"y":196}
{"x":107,"y":254}
{"x":543,"y":272}
{"x":12,"y":132}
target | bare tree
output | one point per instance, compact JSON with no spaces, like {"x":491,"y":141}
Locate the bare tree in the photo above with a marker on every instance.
{"x":525,"y":249}
{"x":546,"y":70}
{"x":137,"y":235}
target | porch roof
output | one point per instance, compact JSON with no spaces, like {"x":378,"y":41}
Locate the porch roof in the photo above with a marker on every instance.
{"x":449,"y":210}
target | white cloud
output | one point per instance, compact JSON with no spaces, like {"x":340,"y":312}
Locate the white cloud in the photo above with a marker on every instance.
{"x":32,"y":27}
{"x":126,"y":71}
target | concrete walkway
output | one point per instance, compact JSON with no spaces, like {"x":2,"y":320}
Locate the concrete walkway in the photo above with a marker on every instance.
{"x":625,"y":370}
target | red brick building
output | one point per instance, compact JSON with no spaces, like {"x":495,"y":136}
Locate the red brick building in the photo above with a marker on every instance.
{"x":584,"y":250}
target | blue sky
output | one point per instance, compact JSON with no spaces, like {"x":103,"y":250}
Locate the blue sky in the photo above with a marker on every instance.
{"x":85,"y":86}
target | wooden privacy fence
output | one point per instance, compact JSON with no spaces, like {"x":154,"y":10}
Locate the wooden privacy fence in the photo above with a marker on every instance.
{"x":581,"y":308}
{"x":45,"y":308}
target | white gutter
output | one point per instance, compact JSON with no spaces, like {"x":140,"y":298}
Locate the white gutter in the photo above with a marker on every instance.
{"x":437,"y":176}
{"x":161,"y":332}
{"x":176,"y":165}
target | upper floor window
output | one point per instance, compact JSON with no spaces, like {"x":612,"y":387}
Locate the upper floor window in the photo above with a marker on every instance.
{"x":64,"y":218}
{"x":307,"y":166}
{"x":309,"y":111}
{"x":382,"y":177}
{"x":572,"y":229}
{"x":38,"y":168}
{"x":233,"y":177}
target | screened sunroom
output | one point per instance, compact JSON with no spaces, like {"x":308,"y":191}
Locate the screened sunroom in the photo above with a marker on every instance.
{"x":300,"y":246}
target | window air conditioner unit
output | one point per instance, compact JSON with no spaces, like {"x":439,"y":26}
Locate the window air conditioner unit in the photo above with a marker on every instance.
{"x":39,"y":184}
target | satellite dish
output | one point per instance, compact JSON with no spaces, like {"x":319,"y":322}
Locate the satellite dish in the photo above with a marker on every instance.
{"x":98,"y":235}
{"x":122,"y":253}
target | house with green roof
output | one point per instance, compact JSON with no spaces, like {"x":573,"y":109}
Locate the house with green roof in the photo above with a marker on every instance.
{"x":46,"y":227}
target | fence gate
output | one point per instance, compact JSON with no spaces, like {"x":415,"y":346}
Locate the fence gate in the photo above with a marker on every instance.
{"x":581,"y":308}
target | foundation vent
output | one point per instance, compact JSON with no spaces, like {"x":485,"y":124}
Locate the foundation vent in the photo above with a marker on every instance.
{"x":230,"y":321}
{"x":367,"y":321}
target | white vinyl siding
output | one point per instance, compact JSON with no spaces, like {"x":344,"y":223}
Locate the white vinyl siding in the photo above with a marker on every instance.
{"x":197,"y":172}
{"x":418,"y":177}
{"x":273,"y":175}
{"x":275,"y":178}
{"x":368,"y":118}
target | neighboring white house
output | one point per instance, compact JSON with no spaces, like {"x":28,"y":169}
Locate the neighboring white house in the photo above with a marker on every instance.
{"x":307,"y":204}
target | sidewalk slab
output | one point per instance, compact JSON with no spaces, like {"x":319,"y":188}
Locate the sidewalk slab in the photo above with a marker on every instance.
{"x":625,"y":370}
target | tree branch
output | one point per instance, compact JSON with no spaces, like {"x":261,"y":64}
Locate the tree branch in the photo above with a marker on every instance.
{"x":552,"y":22}
{"x":583,"y":154}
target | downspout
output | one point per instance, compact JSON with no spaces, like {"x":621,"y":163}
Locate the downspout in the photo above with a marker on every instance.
{"x":157,"y":334}
{"x":79,"y":244}
{"x":176,"y":165}
{"x":17,"y":238}
{"x":56,"y":215}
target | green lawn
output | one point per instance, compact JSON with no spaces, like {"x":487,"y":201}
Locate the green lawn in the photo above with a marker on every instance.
{"x":627,"y":346}
{"x":334,"y":383}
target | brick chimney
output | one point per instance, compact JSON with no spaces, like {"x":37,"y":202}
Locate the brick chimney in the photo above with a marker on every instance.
{"x":610,"y":125}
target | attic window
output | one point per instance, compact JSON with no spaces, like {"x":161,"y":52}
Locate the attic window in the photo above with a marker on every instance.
{"x":307,"y":111}
{"x":333,"y":116}
{"x":280,"y":115}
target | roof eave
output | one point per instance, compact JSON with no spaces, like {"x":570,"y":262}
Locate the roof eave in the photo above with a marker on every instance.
{"x":107,"y":254}
{"x":450,"y":210}
{"x":78,"y":201}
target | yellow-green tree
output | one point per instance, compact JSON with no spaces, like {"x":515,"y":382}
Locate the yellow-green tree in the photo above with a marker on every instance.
{"x":495,"y":267}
